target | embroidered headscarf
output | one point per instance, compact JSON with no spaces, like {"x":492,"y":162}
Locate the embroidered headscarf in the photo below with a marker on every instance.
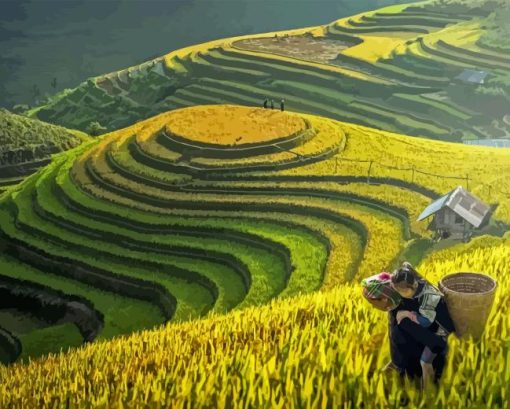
{"x":378,"y":291}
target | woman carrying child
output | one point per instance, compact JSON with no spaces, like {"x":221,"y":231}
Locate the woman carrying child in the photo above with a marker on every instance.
{"x":424,"y":306}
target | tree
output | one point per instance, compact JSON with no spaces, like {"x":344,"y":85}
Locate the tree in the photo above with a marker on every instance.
{"x":35,"y":91}
{"x":95,"y":129}
{"x":20,"y":108}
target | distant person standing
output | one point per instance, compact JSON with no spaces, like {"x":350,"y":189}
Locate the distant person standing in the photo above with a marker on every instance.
{"x":272,"y":104}
{"x":265,"y":103}
{"x":282,"y":105}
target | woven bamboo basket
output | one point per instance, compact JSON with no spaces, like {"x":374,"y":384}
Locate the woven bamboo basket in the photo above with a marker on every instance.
{"x":469,"y":297}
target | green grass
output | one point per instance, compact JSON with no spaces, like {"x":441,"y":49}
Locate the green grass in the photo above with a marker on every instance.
{"x":404,"y":20}
{"x":64,"y":244}
{"x":230,"y":284}
{"x":19,"y":322}
{"x":438,"y":106}
{"x":46,"y":340}
{"x":293,"y":239}
{"x":376,"y":29}
{"x":313,"y":71}
{"x":417,"y":65}
{"x":164,"y":203}
{"x":162,"y":178}
{"x":274,"y":67}
{"x":192,"y":298}
{"x":252,"y":257}
{"x":447,"y":51}
{"x":201,"y":66}
{"x":271,"y":231}
{"x":405,"y":120}
{"x":444,"y":58}
{"x":121,"y":315}
{"x":414,"y":252}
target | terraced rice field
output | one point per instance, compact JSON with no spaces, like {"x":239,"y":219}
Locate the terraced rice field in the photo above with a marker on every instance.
{"x":138,"y":229}
{"x":185,"y":225}
{"x":224,"y":239}
{"x":375,"y":69}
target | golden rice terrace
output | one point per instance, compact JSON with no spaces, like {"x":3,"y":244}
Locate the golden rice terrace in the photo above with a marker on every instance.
{"x":233,"y":125}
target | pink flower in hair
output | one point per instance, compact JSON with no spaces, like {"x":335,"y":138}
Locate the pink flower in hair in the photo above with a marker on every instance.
{"x":384,"y":276}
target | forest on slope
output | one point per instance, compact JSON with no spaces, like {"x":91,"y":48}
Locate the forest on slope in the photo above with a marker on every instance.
{"x":26,"y":144}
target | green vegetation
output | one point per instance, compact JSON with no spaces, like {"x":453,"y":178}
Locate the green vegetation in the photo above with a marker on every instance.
{"x":25,"y":140}
{"x":498,"y":31}
{"x":122,"y":315}
{"x":27,"y":144}
{"x":415,"y":252}
{"x":395,"y":57}
{"x":95,"y":129}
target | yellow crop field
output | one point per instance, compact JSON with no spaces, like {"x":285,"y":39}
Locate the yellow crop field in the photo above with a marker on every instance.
{"x":378,"y":45}
{"x":210,"y":253}
{"x":326,"y":134}
{"x":411,"y":202}
{"x":316,"y":350}
{"x":385,"y":233}
{"x":440,"y":166}
{"x":172,"y":59}
{"x":233,"y":125}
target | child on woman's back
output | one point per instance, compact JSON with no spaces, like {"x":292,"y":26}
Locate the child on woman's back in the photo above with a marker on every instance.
{"x":432,"y":309}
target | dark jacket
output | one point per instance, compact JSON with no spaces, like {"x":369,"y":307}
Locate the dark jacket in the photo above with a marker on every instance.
{"x":408,"y":339}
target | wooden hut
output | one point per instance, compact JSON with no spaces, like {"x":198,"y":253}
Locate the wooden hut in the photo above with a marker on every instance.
{"x":472,"y":77}
{"x":456,"y":215}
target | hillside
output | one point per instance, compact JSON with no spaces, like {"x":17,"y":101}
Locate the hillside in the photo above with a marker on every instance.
{"x":30,"y":61}
{"x":167,"y":223}
{"x":158,"y":207}
{"x":27,"y":144}
{"x":400,"y":68}
{"x":207,"y":252}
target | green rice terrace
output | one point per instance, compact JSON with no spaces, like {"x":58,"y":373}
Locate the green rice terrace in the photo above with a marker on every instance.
{"x":435,"y":69}
{"x":160,"y":222}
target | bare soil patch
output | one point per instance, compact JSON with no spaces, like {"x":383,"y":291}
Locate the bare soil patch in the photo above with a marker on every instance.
{"x":304,"y":47}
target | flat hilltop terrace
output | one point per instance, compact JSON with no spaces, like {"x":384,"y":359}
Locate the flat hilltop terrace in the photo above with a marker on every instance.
{"x":434,"y":69}
{"x":158,"y":246}
{"x":233,"y":126}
